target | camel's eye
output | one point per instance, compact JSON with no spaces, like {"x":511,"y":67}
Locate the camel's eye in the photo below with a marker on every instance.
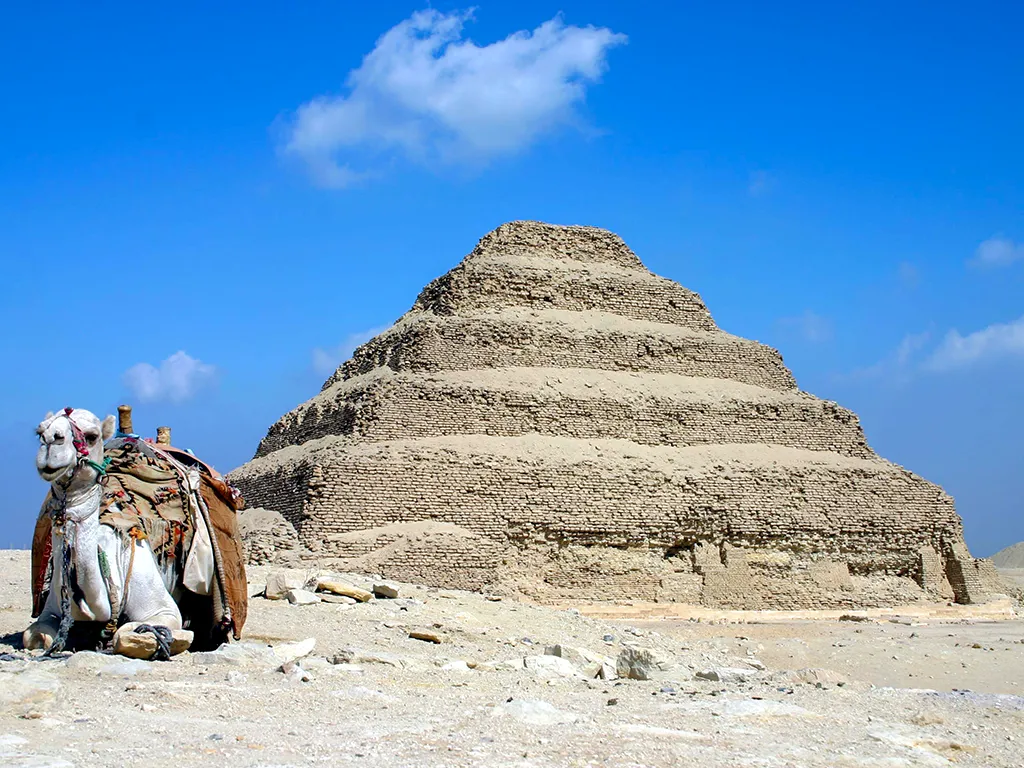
{"x":91,"y":437}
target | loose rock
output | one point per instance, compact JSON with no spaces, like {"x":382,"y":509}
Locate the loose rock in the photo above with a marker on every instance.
{"x":385,"y":591}
{"x":346,"y":590}
{"x":293,"y":651}
{"x":428,"y":635}
{"x":534,"y":712}
{"x":280,"y":583}
{"x":302,"y":597}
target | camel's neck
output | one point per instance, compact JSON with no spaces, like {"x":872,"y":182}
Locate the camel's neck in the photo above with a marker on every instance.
{"x":77,"y":525}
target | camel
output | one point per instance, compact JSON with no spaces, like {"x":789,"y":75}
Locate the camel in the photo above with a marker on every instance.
{"x":100,"y":574}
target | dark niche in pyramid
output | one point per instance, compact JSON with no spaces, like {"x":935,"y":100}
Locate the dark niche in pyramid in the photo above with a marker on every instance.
{"x":553,"y":420}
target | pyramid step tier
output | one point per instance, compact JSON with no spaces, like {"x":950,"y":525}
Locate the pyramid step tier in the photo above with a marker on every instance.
{"x":871,"y":514}
{"x":652,"y":409}
{"x":486,"y":283}
{"x":544,"y":339}
{"x":582,"y":245}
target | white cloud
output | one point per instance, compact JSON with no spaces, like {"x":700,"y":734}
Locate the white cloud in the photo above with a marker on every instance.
{"x":898,"y":365}
{"x":326,"y":361}
{"x":178,"y":378}
{"x":425,"y":93}
{"x":810,"y":325}
{"x":1000,"y":340}
{"x":997,"y":251}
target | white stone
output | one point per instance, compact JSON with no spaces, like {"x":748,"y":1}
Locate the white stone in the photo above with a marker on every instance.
{"x":280,"y":583}
{"x":302,"y":597}
{"x":237,"y":654}
{"x":727,"y":674}
{"x":457,"y":666}
{"x":294,"y":651}
{"x":534,"y":712}
{"x":764,"y":708}
{"x":551,"y":667}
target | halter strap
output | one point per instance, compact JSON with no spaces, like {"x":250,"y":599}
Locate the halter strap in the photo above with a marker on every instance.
{"x":79,"y":436}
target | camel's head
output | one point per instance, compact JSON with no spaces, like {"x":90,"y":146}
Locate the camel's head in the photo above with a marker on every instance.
{"x":67,"y":437}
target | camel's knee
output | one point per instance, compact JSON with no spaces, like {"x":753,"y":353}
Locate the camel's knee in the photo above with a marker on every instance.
{"x":39,"y":635}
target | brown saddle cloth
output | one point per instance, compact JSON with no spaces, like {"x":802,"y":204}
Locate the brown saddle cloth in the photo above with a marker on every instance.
{"x":146,"y":490}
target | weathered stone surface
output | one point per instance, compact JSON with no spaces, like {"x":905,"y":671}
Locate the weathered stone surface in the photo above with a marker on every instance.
{"x":813,"y":676}
{"x":287,"y":652}
{"x":302,"y":597}
{"x":294,"y":673}
{"x":244,"y":653}
{"x":337,"y":599}
{"x":424,"y":633}
{"x":385,"y":591}
{"x":727,"y":674}
{"x":534,"y":712}
{"x":642,"y":664}
{"x":552,"y":399}
{"x":336,"y":587}
{"x":551,"y":667}
{"x":280,"y":583}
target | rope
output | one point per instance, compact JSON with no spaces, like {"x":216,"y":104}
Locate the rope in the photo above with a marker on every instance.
{"x":163,"y":640}
{"x":113,"y":593}
{"x":136,"y":534}
{"x":65,"y":596}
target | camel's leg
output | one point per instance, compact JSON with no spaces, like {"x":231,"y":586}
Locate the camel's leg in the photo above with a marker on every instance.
{"x":41,"y":632}
{"x":147,"y":602}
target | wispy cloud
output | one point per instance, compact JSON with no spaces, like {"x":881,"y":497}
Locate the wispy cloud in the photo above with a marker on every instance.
{"x":326,"y":361}
{"x":810,"y":326}
{"x":994,"y":343}
{"x":426,"y":94}
{"x":898,"y":365}
{"x":177,"y":379}
{"x":997,"y":341}
{"x":997,"y":251}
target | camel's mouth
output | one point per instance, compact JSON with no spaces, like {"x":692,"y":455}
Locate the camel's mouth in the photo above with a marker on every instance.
{"x":49,"y":473}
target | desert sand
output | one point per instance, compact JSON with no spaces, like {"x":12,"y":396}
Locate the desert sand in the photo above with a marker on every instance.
{"x":933,"y":686}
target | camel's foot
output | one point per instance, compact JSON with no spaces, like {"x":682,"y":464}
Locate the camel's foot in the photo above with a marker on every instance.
{"x":39,"y":636}
{"x":146,"y":645}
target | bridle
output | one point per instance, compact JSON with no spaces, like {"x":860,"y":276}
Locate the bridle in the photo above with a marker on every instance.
{"x":81,"y":445}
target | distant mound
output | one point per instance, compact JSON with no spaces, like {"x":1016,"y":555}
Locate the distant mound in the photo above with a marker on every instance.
{"x":1011,"y":557}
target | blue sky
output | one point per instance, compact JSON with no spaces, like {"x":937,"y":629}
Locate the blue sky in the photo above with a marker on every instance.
{"x":845,"y":183}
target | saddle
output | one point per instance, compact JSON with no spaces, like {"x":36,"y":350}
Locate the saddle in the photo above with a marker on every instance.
{"x":186,"y":511}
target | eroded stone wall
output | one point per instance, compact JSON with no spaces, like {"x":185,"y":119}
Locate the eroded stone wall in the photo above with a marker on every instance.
{"x":552,"y":419}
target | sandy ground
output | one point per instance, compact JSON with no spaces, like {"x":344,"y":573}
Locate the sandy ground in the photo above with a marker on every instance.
{"x":922,"y":687}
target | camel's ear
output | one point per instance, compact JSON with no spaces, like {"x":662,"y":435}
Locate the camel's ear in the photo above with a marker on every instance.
{"x":108,"y":427}
{"x":49,"y":415}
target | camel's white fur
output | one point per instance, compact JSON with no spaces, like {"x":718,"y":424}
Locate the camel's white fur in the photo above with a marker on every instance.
{"x":147,"y":599}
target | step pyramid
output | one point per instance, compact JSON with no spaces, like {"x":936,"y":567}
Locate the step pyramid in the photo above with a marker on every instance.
{"x":552,"y":419}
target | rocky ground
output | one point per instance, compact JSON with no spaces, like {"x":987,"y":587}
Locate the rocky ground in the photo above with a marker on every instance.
{"x":364,"y":683}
